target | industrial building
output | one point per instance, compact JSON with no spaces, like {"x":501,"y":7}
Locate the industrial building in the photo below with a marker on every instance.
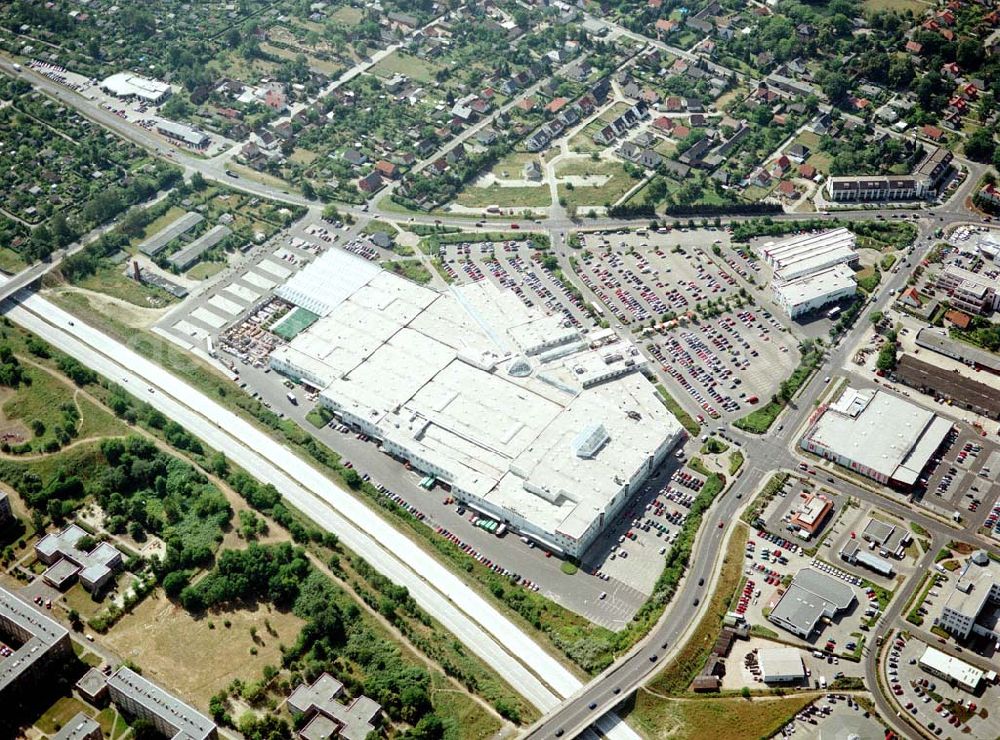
{"x":527,"y":420}
{"x":327,"y":717}
{"x":781,"y":665}
{"x":127,"y":86}
{"x":809,"y":254}
{"x":969,"y":291}
{"x":138,"y":697}
{"x":810,"y":597}
{"x":924,"y":182}
{"x":39,"y":644}
{"x":809,"y":293}
{"x":812,"y":270}
{"x":95,"y":568}
{"x":938,"y":341}
{"x":948,"y":385}
{"x":977,"y":587}
{"x":159,"y":241}
{"x":183,"y":134}
{"x":854,"y":553}
{"x":951,"y":669}
{"x":184,"y":258}
{"x":876,"y":434}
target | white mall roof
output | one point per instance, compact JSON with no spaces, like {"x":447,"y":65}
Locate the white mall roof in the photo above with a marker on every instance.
{"x":807,"y":253}
{"x":448,"y":377}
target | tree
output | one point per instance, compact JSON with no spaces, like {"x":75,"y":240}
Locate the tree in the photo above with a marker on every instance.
{"x":980,"y":146}
{"x":198,"y":182}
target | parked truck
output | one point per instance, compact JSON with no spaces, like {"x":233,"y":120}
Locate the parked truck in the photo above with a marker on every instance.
{"x":291,"y":398}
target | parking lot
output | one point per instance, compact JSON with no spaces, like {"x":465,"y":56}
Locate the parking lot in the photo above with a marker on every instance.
{"x":837,"y":716}
{"x":944,"y":710}
{"x":962,"y":478}
{"x":641,"y":278}
{"x":516,"y":266}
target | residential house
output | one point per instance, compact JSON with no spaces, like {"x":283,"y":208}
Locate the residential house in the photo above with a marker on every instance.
{"x":370,"y":183}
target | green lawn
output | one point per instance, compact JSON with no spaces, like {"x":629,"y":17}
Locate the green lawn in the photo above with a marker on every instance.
{"x":418,"y":70}
{"x":10,"y":261}
{"x":59,"y":714}
{"x":537,"y":196}
{"x":204,"y":270}
{"x":610,"y":191}
{"x":410,"y":269}
{"x":686,"y":420}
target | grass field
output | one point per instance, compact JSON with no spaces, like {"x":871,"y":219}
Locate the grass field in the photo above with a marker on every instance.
{"x":537,"y":196}
{"x":418,"y":70}
{"x":187,"y":654}
{"x":59,"y":714}
{"x":719,"y":719}
{"x":410,"y":269}
{"x":900,"y":6}
{"x":347,"y":16}
{"x":204,"y":270}
{"x":618,"y":183}
{"x":109,"y":280}
{"x":470,"y":719}
{"x":10,"y":261}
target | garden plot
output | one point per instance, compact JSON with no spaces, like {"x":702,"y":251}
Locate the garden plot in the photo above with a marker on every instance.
{"x":516,"y":266}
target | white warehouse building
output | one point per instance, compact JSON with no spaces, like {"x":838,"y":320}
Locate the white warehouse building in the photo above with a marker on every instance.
{"x":811,"y":292}
{"x":812,"y":270}
{"x":126,"y":85}
{"x":809,"y":253}
{"x":527,"y":420}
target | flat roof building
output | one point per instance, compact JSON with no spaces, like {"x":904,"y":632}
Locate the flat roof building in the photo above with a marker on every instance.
{"x":525,"y":418}
{"x":126,"y":85}
{"x":781,"y":665}
{"x":93,"y":686}
{"x":807,"y":254}
{"x":810,"y":597}
{"x":94,"y":568}
{"x":183,"y":134}
{"x":813,"y":291}
{"x":938,"y":341}
{"x":876,"y":434}
{"x":969,"y":291}
{"x":853,"y":552}
{"x":889,"y":538}
{"x":139,"y":697}
{"x":190,"y":254}
{"x":80,"y":727}
{"x":961,"y":391}
{"x":978,"y":585}
{"x":42,"y":643}
{"x":330,"y":717}
{"x":812,"y":513}
{"x":951,"y":669}
{"x":159,"y":241}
